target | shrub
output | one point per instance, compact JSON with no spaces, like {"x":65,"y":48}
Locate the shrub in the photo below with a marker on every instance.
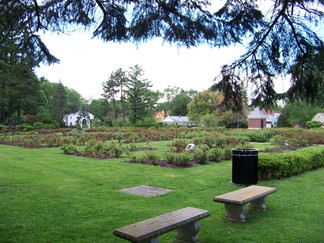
{"x":38,"y":125}
{"x":200,"y":156}
{"x":206,"y":140}
{"x":279,"y":140}
{"x":254,"y":135}
{"x":131,"y":147}
{"x":178,"y":145}
{"x":214,"y":154}
{"x":147,"y":122}
{"x":313,"y":124}
{"x":49,"y":126}
{"x":151,"y":158}
{"x":222,"y":141}
{"x":54,"y":140}
{"x":26,"y":128}
{"x":96,"y":123}
{"x":278,"y":166}
{"x":209,"y":141}
{"x":4,"y":128}
{"x":100,"y":149}
{"x":170,"y":158}
{"x":133,"y":137}
{"x":133,"y":158}
{"x":204,"y":147}
{"x":183,"y":159}
{"x":164,"y":137}
{"x":70,"y":149}
{"x":30,"y":119}
{"x":93,"y":148}
{"x":115,"y":150}
{"x":119,"y":137}
{"x":227,"y":153}
{"x":195,"y":134}
{"x":299,"y":138}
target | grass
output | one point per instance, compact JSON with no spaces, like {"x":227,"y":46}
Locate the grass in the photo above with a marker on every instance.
{"x":46,"y":196}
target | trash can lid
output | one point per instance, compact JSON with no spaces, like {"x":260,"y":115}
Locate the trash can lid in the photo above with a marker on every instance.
{"x":245,"y":151}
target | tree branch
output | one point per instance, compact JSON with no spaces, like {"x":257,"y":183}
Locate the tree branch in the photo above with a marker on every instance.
{"x":39,"y":23}
{"x":260,"y":42}
{"x":294,"y":32}
{"x":104,"y":15}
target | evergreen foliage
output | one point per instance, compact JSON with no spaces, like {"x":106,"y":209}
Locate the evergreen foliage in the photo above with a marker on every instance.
{"x":280,"y":36}
{"x":116,"y":84}
{"x":59,"y":103}
{"x":141,"y":99}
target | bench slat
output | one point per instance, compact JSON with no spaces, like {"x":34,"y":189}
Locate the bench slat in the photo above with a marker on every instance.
{"x":153,"y":227}
{"x":245,"y":195}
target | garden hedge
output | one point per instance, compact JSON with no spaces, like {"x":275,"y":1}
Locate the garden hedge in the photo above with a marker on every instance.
{"x":281,"y":165}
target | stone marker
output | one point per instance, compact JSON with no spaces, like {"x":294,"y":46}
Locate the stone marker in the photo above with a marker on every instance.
{"x":190,"y":147}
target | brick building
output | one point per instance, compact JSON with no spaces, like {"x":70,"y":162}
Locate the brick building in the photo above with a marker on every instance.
{"x":257,"y":119}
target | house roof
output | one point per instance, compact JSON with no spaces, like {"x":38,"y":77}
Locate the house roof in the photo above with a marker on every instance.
{"x":319,"y":114}
{"x":319,"y":117}
{"x":177,"y":119}
{"x":161,"y":113}
{"x":79,"y":113}
{"x":271,"y":112}
{"x":256,"y":114}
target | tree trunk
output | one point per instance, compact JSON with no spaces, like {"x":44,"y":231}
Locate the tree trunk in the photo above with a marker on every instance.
{"x":10,"y":108}
{"x":2,"y":113}
{"x":19,"y":114}
{"x":123,"y":109}
{"x":115,"y":111}
{"x":2,"y":103}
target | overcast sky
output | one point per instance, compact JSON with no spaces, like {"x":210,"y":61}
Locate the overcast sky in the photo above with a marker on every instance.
{"x":86,"y":63}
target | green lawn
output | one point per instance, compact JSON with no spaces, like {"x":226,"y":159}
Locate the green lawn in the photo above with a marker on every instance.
{"x":46,"y":196}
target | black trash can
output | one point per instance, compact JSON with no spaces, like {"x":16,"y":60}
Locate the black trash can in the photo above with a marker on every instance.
{"x":245,"y":166}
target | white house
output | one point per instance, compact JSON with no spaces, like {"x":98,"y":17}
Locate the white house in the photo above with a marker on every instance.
{"x":178,"y":120}
{"x":272,"y":117}
{"x":70,"y":120}
{"x":319,"y":117}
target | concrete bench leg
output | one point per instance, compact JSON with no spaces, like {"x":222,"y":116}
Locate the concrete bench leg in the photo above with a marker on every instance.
{"x":235,"y":212}
{"x":259,"y":204}
{"x":188,"y":233}
{"x":153,"y":240}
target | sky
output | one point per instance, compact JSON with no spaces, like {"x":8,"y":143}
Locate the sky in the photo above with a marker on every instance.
{"x":86,"y":63}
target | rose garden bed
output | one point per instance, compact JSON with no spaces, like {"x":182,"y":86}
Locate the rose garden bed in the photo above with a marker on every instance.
{"x":211,"y":146}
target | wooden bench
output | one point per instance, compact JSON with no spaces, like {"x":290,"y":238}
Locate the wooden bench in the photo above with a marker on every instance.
{"x":185,"y":220}
{"x":235,"y":201}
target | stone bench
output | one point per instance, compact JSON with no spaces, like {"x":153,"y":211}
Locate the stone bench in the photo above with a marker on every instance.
{"x":185,"y":221}
{"x":235,"y":201}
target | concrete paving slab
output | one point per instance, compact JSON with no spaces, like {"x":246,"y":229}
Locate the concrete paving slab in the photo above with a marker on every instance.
{"x":145,"y":191}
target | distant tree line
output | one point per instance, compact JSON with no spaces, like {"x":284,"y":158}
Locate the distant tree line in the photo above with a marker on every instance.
{"x":37,"y":100}
{"x":128,"y":100}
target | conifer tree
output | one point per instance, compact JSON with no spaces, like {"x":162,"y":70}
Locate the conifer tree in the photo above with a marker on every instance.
{"x":59,"y":104}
